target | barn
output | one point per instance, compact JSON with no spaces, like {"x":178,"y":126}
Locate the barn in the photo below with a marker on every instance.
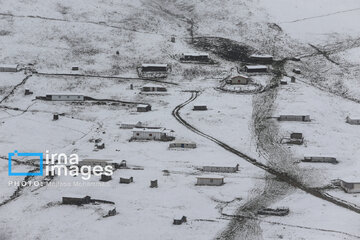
{"x":300,"y":118}
{"x":221,"y":169}
{"x":153,"y":88}
{"x":96,"y":162}
{"x":353,"y":120}
{"x":148,"y":67}
{"x":259,"y":58}
{"x":160,"y":134}
{"x":8,"y":67}
{"x":182,"y":144}
{"x":240,"y":79}
{"x":131,"y":125}
{"x":320,"y":159}
{"x":199,"y":57}
{"x":210,"y":180}
{"x":200,"y":107}
{"x":143,"y":107}
{"x":256,"y":68}
{"x":65,"y":97}
{"x":350,"y":185}
{"x":76,"y":200}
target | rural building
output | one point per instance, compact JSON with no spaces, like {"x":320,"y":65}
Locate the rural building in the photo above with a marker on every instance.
{"x":282,"y":211}
{"x":8,"y":67}
{"x":240,"y":79}
{"x":76,"y":200}
{"x":199,"y":57}
{"x":300,"y":118}
{"x":153,"y":88}
{"x":143,"y":107}
{"x":296,"y":70}
{"x":105,"y":178}
{"x":65,"y":97}
{"x":96,"y":162}
{"x":320,"y":159}
{"x":283,"y":82}
{"x":211,"y":180}
{"x":221,"y":169}
{"x":350,"y":185}
{"x":160,"y":134}
{"x":258,"y":58}
{"x":131,"y":125}
{"x":126,"y":180}
{"x":353,"y":121}
{"x":147,"y":67}
{"x":154,"y":183}
{"x":200,"y":107}
{"x":256,"y":68}
{"x":180,"y":221}
{"x":296,"y":135}
{"x":182,"y":144}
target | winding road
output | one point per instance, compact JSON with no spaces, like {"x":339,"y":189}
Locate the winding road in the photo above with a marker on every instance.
{"x":281,"y":176}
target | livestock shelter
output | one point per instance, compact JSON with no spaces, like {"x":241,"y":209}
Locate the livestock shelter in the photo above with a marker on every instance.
{"x":160,"y":134}
{"x":182,"y":144}
{"x":210,"y":180}
{"x":8,"y":67}
{"x":240,"y":79}
{"x":259,"y":58}
{"x":153,"y":88}
{"x":221,"y":169}
{"x":96,"y":162}
{"x":143,"y":108}
{"x":76,"y":200}
{"x":198,"y":57}
{"x":126,"y":180}
{"x":149,"y":67}
{"x":131,"y":125}
{"x":300,"y":118}
{"x":320,"y":159}
{"x":65,"y":97}
{"x":256,"y":68}
{"x":350,"y":185}
{"x":353,"y":121}
{"x":200,"y":107}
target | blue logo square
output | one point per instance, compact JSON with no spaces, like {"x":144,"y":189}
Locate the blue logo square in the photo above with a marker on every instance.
{"x":39,"y":155}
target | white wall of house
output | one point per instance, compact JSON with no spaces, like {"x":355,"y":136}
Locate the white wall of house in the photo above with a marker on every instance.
{"x":210,"y":181}
{"x":64,"y":97}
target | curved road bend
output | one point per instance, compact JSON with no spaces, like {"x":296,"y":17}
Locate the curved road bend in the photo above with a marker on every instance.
{"x":282,"y":176}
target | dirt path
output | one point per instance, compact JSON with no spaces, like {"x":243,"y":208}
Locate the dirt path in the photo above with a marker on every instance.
{"x":14,"y":88}
{"x":281,"y":175}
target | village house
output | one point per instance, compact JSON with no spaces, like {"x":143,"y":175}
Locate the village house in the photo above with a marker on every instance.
{"x":160,"y":134}
{"x":65,"y":97}
{"x":300,"y":118}
{"x":259,"y":58}
{"x":126,"y":180}
{"x":283,"y":81}
{"x":8,"y":67}
{"x":256,"y":68}
{"x":200,"y":107}
{"x":320,"y":159}
{"x":131,"y":125}
{"x":350,"y":185}
{"x":353,"y":121}
{"x":153,"y":88}
{"x":199,"y":57}
{"x":182,"y":144}
{"x":148,"y":67}
{"x":240,"y":79}
{"x":105,"y":178}
{"x":143,"y":108}
{"x":210,"y":180}
{"x":180,"y":221}
{"x":221,"y":169}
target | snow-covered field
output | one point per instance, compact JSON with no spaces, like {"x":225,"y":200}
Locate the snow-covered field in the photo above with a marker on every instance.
{"x":54,"y":36}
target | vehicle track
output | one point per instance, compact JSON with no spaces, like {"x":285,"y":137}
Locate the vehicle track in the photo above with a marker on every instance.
{"x":281,"y":176}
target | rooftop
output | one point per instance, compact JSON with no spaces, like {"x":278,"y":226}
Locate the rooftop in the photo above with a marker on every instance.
{"x":210,"y":176}
{"x":8,"y":65}
{"x":154,"y":65}
{"x":256,"y":66}
{"x":153,"y":130}
{"x":196,"y":54}
{"x":261,"y":56}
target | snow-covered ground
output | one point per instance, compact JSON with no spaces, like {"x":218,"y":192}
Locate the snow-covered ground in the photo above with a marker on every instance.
{"x":58,"y":35}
